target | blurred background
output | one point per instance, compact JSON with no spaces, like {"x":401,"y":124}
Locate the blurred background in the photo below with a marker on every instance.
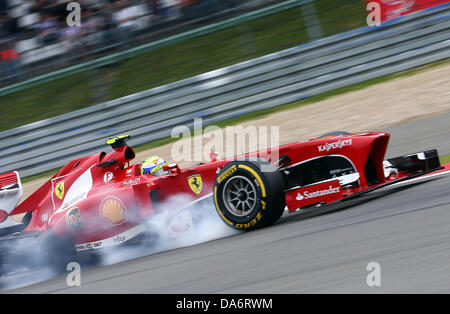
{"x":35,"y":40}
{"x":144,"y":67}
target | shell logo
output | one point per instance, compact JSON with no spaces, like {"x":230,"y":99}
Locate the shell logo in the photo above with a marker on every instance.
{"x":113,"y":210}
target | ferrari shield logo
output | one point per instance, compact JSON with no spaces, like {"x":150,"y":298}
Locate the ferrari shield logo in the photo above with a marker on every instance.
{"x":195,"y":183}
{"x":59,"y":190}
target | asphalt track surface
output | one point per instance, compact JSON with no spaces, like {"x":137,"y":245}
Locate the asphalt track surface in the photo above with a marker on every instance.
{"x":404,"y":229}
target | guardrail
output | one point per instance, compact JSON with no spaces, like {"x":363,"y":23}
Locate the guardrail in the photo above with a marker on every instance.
{"x":58,"y":49}
{"x":272,"y":80}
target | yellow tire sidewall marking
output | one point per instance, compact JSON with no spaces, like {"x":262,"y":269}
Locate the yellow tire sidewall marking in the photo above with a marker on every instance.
{"x":218,"y":209}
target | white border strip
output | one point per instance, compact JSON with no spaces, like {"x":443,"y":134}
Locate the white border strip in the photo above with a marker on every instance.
{"x":421,"y":178}
{"x":115,"y":240}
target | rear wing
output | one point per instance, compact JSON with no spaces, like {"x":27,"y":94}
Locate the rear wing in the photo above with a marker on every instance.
{"x":11,"y":192}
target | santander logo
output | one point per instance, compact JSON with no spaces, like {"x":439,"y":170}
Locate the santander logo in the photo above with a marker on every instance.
{"x":306,"y":195}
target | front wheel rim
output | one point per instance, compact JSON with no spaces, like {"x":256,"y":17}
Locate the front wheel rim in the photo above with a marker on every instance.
{"x":239,"y":196}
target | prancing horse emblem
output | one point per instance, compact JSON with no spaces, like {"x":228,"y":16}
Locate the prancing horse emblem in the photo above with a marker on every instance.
{"x":59,"y":190}
{"x":195,"y":183}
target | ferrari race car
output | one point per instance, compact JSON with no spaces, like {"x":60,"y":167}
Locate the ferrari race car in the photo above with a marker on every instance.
{"x":102,"y":201}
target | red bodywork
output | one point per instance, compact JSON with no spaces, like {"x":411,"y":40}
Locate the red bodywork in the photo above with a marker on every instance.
{"x":93,"y":199}
{"x":391,"y":9}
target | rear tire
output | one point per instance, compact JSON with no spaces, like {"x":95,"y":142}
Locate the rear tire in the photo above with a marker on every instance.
{"x":247,"y":198}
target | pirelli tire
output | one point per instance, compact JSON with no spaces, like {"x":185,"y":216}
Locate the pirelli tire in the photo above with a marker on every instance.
{"x":247,"y":198}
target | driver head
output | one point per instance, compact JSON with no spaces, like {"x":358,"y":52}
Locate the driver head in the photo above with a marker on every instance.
{"x":154,"y":166}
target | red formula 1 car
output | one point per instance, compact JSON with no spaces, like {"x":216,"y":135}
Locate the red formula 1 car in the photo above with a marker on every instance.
{"x":101,"y":201}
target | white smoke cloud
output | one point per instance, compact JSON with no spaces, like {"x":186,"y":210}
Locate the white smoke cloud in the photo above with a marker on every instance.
{"x":207,"y":226}
{"x":19,"y":270}
{"x":174,"y":213}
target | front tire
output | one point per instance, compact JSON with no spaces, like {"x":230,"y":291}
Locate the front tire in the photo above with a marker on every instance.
{"x":247,"y":198}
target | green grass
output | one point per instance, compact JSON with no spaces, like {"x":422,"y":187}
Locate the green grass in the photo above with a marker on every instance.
{"x":444,"y":159}
{"x":235,"y":44}
{"x":46,"y":174}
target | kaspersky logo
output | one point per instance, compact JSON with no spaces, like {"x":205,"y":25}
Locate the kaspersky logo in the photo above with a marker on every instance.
{"x":334,"y":145}
{"x":307,"y":195}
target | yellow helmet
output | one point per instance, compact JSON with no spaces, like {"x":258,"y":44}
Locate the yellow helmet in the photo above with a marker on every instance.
{"x":154,"y":166}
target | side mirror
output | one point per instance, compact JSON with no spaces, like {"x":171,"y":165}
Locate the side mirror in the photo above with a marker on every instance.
{"x":213,"y":156}
{"x":173,"y":168}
